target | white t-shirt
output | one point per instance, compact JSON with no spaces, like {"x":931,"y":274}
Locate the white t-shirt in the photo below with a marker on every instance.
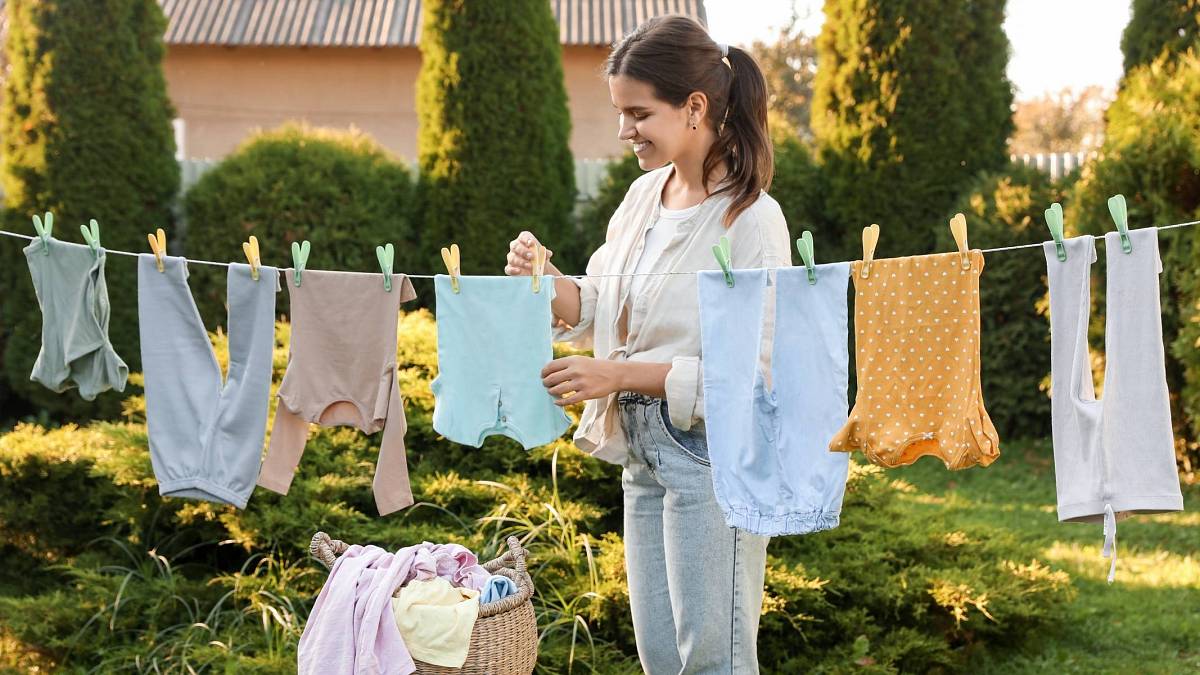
{"x":657,"y":237}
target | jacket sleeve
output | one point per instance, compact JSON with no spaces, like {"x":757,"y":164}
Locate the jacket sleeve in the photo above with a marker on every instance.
{"x":589,"y":289}
{"x":758,"y":238}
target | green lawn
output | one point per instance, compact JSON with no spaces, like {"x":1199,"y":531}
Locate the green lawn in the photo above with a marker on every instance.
{"x":1148,"y":621}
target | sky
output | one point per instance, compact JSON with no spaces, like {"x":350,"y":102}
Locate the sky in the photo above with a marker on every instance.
{"x":1055,"y":43}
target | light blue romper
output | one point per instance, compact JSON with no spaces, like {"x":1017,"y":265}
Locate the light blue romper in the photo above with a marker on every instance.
{"x":493,"y":341}
{"x":772,"y":469}
{"x":205,"y":439}
{"x":73,"y":296}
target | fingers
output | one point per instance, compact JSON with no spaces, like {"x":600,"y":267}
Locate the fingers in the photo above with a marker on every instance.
{"x":520,"y":254}
{"x":577,"y":397}
{"x":555,"y":366}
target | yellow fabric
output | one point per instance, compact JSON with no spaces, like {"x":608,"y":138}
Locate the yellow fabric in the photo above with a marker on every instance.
{"x":436,"y":619}
{"x":916,"y":331}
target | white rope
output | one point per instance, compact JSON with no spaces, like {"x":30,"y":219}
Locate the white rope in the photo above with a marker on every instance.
{"x":593,"y":276}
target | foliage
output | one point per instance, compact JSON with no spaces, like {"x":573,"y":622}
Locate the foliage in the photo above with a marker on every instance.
{"x":129,"y":580}
{"x":494,"y":129}
{"x":338,"y":189}
{"x":1158,"y":27}
{"x":1066,"y":121}
{"x":911,"y":101}
{"x":86,"y":128}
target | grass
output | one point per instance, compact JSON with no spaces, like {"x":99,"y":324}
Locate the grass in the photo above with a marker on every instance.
{"x":1148,"y":621}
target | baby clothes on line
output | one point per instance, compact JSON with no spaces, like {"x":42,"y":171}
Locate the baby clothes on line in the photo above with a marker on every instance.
{"x":73,"y":296}
{"x":771,"y":469}
{"x":916,"y":329}
{"x":1113,"y":457}
{"x":494,"y":338}
{"x":435,"y":619}
{"x":205,"y":437}
{"x":342,"y":372}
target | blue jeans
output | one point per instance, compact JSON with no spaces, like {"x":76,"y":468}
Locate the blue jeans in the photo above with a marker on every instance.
{"x":695,"y":584}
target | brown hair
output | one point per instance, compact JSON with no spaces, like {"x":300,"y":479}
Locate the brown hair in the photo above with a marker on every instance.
{"x":675,"y":56}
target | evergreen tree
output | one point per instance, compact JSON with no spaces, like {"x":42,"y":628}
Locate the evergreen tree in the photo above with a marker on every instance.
{"x":493,"y":143}
{"x":1158,"y":26}
{"x":911,"y":101}
{"x":86,"y":129}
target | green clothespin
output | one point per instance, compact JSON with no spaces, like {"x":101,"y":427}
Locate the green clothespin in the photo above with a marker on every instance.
{"x":92,"y":236}
{"x":299,"y":258}
{"x":805,"y":246}
{"x":1054,"y":221}
{"x":386,"y":255}
{"x":44,"y":229}
{"x":1116,"y":206}
{"x":721,"y":250}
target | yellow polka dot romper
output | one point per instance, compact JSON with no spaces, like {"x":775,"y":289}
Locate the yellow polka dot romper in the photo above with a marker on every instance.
{"x":916,"y":330}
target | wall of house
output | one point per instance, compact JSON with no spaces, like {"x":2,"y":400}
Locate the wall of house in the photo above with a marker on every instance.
{"x":223,"y":93}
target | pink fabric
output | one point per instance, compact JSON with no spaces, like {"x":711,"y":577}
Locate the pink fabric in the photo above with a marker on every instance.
{"x":351,"y":630}
{"x":452,"y":562}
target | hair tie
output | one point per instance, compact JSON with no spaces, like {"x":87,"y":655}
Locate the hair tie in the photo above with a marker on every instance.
{"x":724,"y":49}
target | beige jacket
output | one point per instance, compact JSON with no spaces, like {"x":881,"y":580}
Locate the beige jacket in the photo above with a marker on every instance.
{"x":664,"y":324}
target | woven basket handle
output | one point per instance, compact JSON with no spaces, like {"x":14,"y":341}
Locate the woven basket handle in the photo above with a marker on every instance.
{"x":326,"y":549}
{"x":515,"y":556}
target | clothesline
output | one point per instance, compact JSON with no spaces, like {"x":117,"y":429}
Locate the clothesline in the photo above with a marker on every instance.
{"x":581,"y":276}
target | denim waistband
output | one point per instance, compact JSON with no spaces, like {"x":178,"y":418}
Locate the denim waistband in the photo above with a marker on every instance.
{"x":634,"y":398}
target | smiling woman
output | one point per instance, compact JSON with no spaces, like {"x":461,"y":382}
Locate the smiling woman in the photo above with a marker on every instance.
{"x":695,"y":114}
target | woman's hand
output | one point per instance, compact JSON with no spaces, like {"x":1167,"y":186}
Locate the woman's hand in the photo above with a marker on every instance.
{"x":583,"y":377}
{"x":520,"y":256}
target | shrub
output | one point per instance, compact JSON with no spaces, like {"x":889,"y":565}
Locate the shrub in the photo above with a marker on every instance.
{"x":86,"y":134}
{"x":1151,"y":154}
{"x":1007,"y":208}
{"x":338,"y":189}
{"x":130,"y":578}
{"x":493,"y":143}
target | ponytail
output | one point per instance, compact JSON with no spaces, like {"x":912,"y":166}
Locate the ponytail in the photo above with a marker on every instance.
{"x":676,"y":56}
{"x":743,"y":141}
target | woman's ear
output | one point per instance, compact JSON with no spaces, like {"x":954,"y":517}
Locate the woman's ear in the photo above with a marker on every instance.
{"x":697,"y":105}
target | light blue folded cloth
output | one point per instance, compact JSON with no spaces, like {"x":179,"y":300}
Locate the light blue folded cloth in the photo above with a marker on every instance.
{"x":497,"y":588}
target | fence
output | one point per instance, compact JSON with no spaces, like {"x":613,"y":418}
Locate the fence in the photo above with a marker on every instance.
{"x":1057,"y":164}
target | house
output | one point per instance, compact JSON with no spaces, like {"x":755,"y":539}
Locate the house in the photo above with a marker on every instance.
{"x":236,"y":65}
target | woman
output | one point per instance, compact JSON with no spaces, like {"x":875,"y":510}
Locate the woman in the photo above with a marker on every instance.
{"x":695,"y":114}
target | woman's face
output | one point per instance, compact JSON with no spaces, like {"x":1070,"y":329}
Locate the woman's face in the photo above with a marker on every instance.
{"x":658,"y":131}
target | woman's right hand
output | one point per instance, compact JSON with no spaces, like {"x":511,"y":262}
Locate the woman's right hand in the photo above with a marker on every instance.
{"x":520,"y":256}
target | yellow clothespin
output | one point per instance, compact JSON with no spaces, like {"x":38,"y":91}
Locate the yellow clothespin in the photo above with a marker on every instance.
{"x":958,"y":226}
{"x":158,"y":244}
{"x":870,"y":239}
{"x":450,"y":256}
{"x":539,"y":266}
{"x":250,"y":248}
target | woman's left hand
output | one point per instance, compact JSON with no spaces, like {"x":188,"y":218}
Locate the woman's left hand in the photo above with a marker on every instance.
{"x":584,"y":377}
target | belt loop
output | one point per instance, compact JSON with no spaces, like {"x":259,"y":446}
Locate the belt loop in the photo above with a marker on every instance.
{"x":1110,"y":540}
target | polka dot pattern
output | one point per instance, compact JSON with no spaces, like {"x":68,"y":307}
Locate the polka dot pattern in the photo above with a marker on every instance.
{"x":916,"y":330}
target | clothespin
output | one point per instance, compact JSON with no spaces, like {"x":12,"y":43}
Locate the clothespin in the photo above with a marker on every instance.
{"x":92,"y":236}
{"x":451,"y":257}
{"x":299,"y":259}
{"x":1116,"y":206}
{"x":386,"y":255}
{"x":724,"y":259}
{"x":250,"y":248}
{"x":158,"y":244}
{"x":805,"y":247}
{"x":539,"y":266}
{"x":870,"y":239}
{"x":958,"y":226}
{"x":44,"y":229}
{"x":1054,"y":220}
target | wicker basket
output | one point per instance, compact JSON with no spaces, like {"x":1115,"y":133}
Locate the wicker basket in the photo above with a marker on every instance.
{"x":505,"y":638}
